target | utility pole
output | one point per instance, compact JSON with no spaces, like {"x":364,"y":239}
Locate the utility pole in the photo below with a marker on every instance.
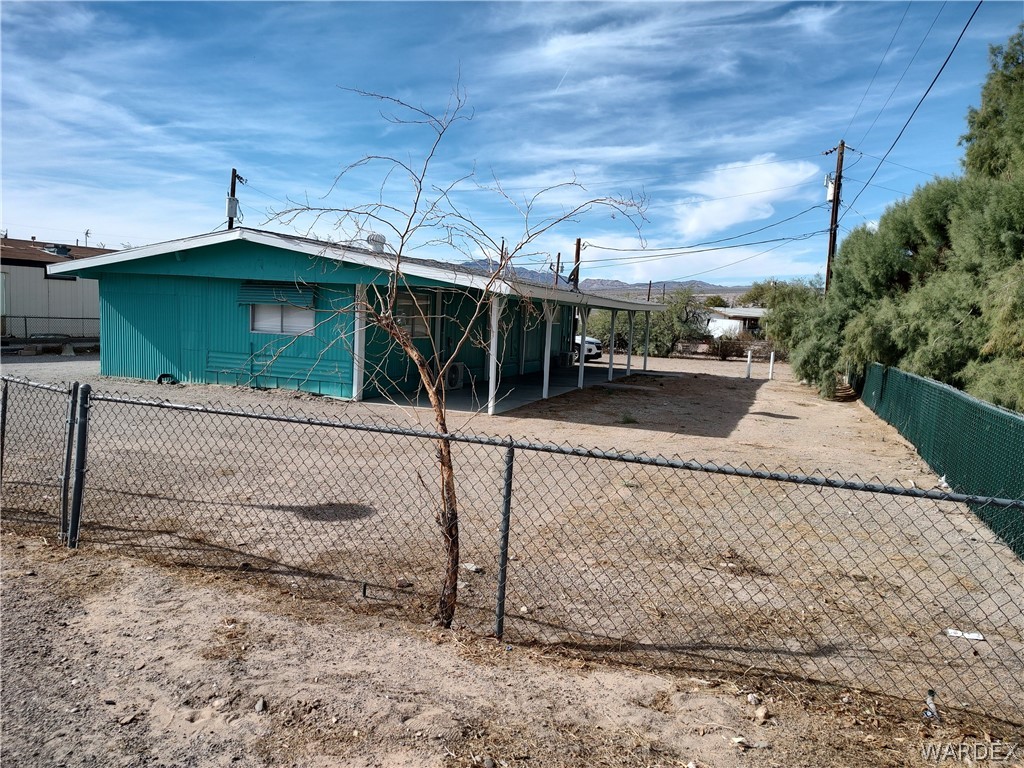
{"x":232,"y":200}
{"x":574,"y":276}
{"x":834,"y":223}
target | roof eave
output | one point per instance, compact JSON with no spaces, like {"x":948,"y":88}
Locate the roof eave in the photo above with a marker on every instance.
{"x":448,"y":274}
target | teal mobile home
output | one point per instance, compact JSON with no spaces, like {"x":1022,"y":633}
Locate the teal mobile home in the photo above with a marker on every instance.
{"x":247,"y":307}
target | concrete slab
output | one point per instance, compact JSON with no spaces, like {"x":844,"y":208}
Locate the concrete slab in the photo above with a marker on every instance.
{"x":516,"y":391}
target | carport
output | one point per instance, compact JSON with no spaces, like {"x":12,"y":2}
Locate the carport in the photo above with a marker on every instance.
{"x":582,"y":303}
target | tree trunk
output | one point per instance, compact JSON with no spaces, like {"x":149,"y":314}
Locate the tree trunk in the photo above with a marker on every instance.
{"x":448,"y":519}
{"x":447,"y":514}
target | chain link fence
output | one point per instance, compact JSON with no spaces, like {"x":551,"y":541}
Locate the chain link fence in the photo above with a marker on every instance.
{"x":667,"y":563}
{"x":977,"y":447}
{"x":36,"y":434}
{"x":28,"y":327}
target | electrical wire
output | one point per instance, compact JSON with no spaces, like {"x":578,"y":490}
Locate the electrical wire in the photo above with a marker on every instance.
{"x":723,"y":266}
{"x":898,"y":165}
{"x":632,"y":260}
{"x":588,"y":244}
{"x":694,"y":251}
{"x":919,"y":103}
{"x":877,"y":69}
{"x":249,"y":185}
{"x":730,"y":197}
{"x":877,"y":186}
{"x":906,"y":69}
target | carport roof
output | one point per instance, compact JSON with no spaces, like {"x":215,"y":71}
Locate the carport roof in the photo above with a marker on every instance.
{"x":462,"y":275}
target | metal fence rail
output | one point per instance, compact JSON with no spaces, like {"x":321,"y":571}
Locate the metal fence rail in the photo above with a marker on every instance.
{"x":673,"y":563}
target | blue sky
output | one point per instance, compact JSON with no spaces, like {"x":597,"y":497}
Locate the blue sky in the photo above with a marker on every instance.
{"x":126,"y":118}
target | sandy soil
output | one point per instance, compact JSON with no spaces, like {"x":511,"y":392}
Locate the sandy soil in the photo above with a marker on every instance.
{"x":109,"y":660}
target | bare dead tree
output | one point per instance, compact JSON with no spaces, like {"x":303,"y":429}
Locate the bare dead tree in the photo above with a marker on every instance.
{"x":432,"y":217}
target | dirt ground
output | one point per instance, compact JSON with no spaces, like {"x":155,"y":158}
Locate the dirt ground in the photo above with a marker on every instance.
{"x":114,"y":661}
{"x":722,"y":417}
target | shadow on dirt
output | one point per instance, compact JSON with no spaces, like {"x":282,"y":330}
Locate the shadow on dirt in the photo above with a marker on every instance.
{"x":692,"y":404}
{"x":327,"y":513}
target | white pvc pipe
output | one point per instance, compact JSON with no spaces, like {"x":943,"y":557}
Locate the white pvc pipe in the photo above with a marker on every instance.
{"x":750,"y":355}
{"x":771,"y":366}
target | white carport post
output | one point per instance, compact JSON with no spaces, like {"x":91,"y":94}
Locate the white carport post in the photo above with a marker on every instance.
{"x":437,"y":341}
{"x":523,"y":317}
{"x":359,"y":344}
{"x":549,"y":319}
{"x":647,"y":336}
{"x":611,"y":347}
{"x":629,"y":348}
{"x":492,"y":355}
{"x":582,"y":345}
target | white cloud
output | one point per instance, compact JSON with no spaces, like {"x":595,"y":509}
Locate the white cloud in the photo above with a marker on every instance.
{"x":812,"y":20}
{"x":132,"y":123}
{"x":735,"y":193}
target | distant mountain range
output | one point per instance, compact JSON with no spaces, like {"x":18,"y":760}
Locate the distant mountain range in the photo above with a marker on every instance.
{"x":698,"y":287}
{"x":621,"y":289}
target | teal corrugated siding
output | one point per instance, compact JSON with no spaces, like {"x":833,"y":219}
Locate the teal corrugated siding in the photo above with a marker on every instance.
{"x":275,"y":293}
{"x":181,"y":313}
{"x":195,"y":329}
{"x":140,"y":328}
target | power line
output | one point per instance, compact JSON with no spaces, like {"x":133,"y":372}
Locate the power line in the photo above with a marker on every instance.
{"x":907,"y":69}
{"x":694,"y":251}
{"x":731,"y":197}
{"x":248,"y":185}
{"x":723,"y":266}
{"x":599,"y":247}
{"x":898,"y":165}
{"x":878,"y":186}
{"x":919,"y":103}
{"x":879,"y":67}
{"x":632,"y":260}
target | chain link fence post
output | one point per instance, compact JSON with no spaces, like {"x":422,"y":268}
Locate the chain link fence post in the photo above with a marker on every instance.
{"x":506,"y":516}
{"x":81,"y":448}
{"x":65,"y":476}
{"x":3,"y":427}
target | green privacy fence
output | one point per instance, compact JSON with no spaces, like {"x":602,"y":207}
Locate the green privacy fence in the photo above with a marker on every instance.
{"x":976,"y":446}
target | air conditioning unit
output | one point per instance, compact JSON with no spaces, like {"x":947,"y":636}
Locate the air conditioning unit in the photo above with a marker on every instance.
{"x":455,"y":376}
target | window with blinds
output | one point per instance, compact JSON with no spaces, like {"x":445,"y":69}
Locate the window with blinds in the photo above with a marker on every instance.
{"x":283,"y":319}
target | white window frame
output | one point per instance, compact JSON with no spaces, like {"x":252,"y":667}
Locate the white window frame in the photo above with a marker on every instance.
{"x":282,"y":319}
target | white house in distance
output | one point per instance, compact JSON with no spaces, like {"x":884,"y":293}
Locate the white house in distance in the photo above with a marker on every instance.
{"x":35,"y":304}
{"x":732,"y":321}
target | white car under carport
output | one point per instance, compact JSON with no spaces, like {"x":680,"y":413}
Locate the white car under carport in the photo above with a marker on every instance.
{"x":592,"y":349}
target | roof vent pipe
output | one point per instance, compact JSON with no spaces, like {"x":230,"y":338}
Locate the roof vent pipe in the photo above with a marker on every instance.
{"x":377,"y":242}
